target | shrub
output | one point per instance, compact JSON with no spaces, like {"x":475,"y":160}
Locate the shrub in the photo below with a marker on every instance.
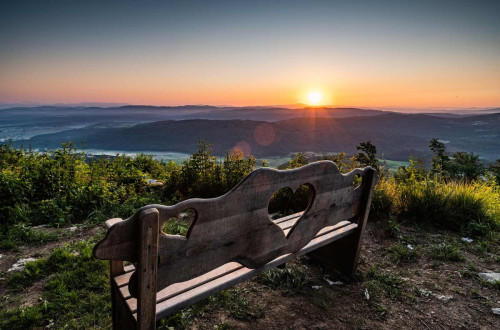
{"x":383,"y":200}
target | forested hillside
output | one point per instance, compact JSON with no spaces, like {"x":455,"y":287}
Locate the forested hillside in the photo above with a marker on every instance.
{"x":397,"y":136}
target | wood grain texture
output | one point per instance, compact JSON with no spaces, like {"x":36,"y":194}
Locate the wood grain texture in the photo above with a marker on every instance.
{"x":236,"y":227}
{"x":147,"y":269}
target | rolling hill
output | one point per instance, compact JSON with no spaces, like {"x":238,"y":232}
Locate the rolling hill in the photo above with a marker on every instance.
{"x":396,"y":135}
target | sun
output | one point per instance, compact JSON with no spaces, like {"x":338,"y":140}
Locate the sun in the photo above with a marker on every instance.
{"x":314,"y":97}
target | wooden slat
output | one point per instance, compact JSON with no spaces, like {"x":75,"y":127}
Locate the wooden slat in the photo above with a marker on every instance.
{"x":288,"y":217}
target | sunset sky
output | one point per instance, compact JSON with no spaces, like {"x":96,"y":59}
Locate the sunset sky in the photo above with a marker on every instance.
{"x":407,"y":54}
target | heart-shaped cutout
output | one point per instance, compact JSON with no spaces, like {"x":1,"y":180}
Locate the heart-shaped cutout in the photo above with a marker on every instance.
{"x":181,"y":224}
{"x":357,"y":181}
{"x":285,"y":202}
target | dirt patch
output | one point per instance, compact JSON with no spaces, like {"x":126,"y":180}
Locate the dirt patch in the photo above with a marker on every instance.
{"x":423,"y":293}
{"x":431,"y":295}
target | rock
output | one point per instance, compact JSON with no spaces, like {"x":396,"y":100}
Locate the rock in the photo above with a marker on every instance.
{"x":468,"y":240}
{"x":333,"y":282}
{"x":73,"y":228}
{"x":424,"y":292}
{"x":443,"y":297}
{"x":490,"y":277}
{"x":496,"y":311}
{"x":19,"y":265}
{"x":154,"y":182}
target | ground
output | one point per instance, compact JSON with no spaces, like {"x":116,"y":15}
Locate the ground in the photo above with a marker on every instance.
{"x":408,"y":278}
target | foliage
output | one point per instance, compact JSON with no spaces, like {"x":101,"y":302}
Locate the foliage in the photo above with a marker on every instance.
{"x":495,"y":170}
{"x":63,"y":186}
{"x":402,"y":253}
{"x":379,"y":282}
{"x":202,"y":175}
{"x":457,"y":206}
{"x":446,"y":252}
{"x":368,"y":155}
{"x":291,"y":279}
{"x":461,"y":165}
{"x":440,"y":160}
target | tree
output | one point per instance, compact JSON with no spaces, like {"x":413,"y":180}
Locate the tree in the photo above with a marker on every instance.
{"x":367,"y":156}
{"x":466,"y":166}
{"x":298,"y":160}
{"x":495,"y":169}
{"x":414,"y":172}
{"x":340,"y":160}
{"x":440,"y":161}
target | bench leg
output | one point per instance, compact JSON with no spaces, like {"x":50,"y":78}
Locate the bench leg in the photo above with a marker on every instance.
{"x":339,"y":257}
{"x":122,"y":319}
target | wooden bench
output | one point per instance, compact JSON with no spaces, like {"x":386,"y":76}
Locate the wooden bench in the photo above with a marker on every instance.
{"x":231,"y":239}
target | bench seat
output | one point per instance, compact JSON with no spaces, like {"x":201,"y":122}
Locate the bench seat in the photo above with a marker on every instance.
{"x":180,"y":295}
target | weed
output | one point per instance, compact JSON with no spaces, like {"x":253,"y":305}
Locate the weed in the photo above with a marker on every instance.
{"x":291,"y":280}
{"x":392,"y":227}
{"x":445,"y":252}
{"x":470,"y":272}
{"x":380,"y":282}
{"x":402,"y":253}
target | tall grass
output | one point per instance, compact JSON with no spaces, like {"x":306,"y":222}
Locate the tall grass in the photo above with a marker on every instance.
{"x":473,"y":208}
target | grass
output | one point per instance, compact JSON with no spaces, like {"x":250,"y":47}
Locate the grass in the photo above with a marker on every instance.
{"x":379,"y":282}
{"x":21,"y":233}
{"x":234,"y":301}
{"x":402,"y":253}
{"x":392,"y":227}
{"x":75,"y":295}
{"x":445,"y":252}
{"x":291,"y":280}
{"x":472,"y":208}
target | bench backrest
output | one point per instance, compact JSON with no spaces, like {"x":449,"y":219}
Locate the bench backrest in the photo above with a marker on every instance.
{"x":236,"y":226}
